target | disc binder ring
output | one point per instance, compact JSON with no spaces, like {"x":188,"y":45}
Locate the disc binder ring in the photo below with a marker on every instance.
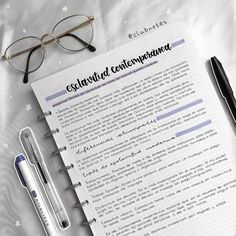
{"x":59,"y":150}
{"x":66,"y":168}
{"x":51,"y":132}
{"x":81,"y":204}
{"x":73,"y":186}
{"x":46,"y":113}
{"x":89,"y":222}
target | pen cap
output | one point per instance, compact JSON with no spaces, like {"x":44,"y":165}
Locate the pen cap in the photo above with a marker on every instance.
{"x":221,"y":76}
{"x":29,"y":181}
{"x":18,"y":159}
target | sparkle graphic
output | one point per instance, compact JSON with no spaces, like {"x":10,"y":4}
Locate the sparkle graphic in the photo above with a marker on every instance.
{"x":168,"y":11}
{"x":65,"y":8}
{"x":17,"y":224}
{"x":28,"y":107}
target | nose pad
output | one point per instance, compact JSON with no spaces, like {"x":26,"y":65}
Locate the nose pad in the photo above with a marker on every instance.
{"x":46,"y":39}
{"x":45,"y":52}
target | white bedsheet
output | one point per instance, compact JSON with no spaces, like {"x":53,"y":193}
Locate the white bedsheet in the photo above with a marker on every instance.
{"x":213,"y":26}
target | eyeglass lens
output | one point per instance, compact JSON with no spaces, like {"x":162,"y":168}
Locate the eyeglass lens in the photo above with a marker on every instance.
{"x":76,"y":40}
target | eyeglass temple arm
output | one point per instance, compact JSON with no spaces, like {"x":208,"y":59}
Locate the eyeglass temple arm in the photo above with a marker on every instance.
{"x":90,"y":18}
{"x":89,"y":46}
{"x":25,"y":79}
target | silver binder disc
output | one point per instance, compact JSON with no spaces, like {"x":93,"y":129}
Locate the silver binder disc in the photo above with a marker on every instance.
{"x":81,"y":204}
{"x":52,"y":132}
{"x":59,"y":150}
{"x":66,"y":168}
{"x":73,"y":186}
{"x":41,"y":117}
{"x":89,"y":222}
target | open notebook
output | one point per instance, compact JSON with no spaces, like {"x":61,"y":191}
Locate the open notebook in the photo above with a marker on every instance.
{"x":145,"y":140}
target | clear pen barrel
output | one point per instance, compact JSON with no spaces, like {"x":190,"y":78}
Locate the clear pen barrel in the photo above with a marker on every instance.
{"x":34,"y":154}
{"x":57,"y":205}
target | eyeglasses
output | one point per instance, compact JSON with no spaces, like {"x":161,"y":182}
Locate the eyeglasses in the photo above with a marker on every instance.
{"x":27,"y":54}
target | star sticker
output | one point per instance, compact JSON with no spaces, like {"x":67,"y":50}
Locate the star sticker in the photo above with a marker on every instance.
{"x":65,"y":8}
{"x":17,"y":224}
{"x":168,"y":11}
{"x":28,"y":107}
{"x":24,"y":31}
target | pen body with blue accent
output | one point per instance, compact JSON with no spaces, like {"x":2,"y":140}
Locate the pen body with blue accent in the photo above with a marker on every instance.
{"x":27,"y":178}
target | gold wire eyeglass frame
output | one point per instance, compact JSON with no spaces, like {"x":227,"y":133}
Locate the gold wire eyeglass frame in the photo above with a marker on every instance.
{"x":53,"y":39}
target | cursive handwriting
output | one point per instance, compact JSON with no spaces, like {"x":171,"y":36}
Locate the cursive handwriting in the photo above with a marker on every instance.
{"x":120,"y":159}
{"x":90,"y":172}
{"x":125,"y":64}
{"x":136,"y":128}
{"x":87,"y":148}
{"x":160,"y":143}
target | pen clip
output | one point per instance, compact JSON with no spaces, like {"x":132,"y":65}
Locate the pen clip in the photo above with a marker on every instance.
{"x":18,"y":159}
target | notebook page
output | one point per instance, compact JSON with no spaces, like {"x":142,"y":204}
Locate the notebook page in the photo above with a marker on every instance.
{"x":148,"y":138}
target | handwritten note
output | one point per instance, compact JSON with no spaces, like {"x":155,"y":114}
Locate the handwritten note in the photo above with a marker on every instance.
{"x":150,"y":143}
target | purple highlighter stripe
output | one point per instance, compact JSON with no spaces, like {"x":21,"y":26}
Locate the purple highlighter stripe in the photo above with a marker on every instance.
{"x":55,"y":95}
{"x":177,"y":43}
{"x":179,"y":109}
{"x":191,"y":129}
{"x":106,"y":83}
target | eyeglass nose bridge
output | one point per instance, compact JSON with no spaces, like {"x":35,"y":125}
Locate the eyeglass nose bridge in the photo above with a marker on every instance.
{"x":53,"y":38}
{"x":44,"y":43}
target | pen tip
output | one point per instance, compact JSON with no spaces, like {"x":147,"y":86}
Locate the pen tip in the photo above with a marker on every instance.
{"x":214,"y":58}
{"x":65,"y":224}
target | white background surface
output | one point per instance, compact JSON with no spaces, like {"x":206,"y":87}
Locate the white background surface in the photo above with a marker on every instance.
{"x":213,"y":27}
